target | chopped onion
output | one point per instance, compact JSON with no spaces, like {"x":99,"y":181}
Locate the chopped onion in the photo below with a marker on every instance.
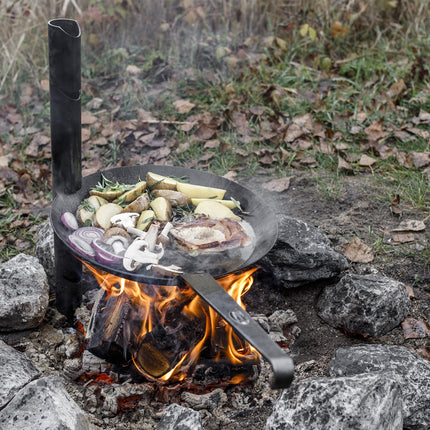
{"x":69,"y":220}
{"x":81,"y":246}
{"x":104,"y":252}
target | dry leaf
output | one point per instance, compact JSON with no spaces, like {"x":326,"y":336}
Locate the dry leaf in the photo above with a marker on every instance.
{"x":211,"y":144}
{"x":424,"y":352}
{"x":420,"y":159}
{"x":357,"y":251}
{"x":338,"y":30}
{"x":374,"y":131}
{"x":415,"y":329}
{"x":410,"y":225}
{"x":396,"y":89}
{"x":366,"y":161}
{"x":230,"y":175}
{"x":294,"y":132}
{"x":395,"y":205}
{"x":44,"y":85}
{"x":88,"y":119}
{"x":410,"y":291}
{"x":403,"y":237}
{"x":343,"y":166}
{"x":133,"y":70}
{"x":183,"y":106}
{"x":278,"y":185}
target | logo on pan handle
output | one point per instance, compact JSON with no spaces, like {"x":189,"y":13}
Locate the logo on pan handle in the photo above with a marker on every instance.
{"x":240,"y":317}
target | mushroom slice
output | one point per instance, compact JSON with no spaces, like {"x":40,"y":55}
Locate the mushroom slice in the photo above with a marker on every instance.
{"x":163,"y":237}
{"x":118,"y":238}
{"x":125,"y":220}
{"x":134,"y":257}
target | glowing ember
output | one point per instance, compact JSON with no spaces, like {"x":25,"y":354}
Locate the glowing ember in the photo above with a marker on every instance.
{"x":167,"y":329}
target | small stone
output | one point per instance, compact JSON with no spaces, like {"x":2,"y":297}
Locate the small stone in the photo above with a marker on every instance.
{"x":361,"y":402}
{"x":25,"y":293}
{"x":208,"y":401}
{"x":178,"y":417}
{"x":368,"y":305}
{"x":43,"y":404}
{"x":301,"y":255}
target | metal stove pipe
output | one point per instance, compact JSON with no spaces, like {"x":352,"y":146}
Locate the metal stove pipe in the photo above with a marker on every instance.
{"x":64,"y":39}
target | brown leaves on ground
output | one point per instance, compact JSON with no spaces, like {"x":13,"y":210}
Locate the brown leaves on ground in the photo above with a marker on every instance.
{"x":415,"y":329}
{"x":357,"y":251}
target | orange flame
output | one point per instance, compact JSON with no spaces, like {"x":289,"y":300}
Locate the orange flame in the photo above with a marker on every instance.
{"x":155,"y":304}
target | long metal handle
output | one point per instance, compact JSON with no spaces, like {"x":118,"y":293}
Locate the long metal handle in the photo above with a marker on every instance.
{"x":218,"y":299}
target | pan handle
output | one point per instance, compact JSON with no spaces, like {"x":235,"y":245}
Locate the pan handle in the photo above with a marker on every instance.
{"x":218,"y":299}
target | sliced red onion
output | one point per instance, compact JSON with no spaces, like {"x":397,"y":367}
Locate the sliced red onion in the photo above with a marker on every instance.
{"x":81,"y":246}
{"x":88,"y":234}
{"x":104,"y":253}
{"x":69,"y":220}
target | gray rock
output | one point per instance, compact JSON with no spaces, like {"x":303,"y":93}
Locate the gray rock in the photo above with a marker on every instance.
{"x":411,"y":372}
{"x":177,"y":417}
{"x":45,"y":250}
{"x":209,"y":401}
{"x":301,"y":255}
{"x":24,"y":291}
{"x":43,"y":404}
{"x":16,"y":370}
{"x":368,"y":305}
{"x":361,"y":402}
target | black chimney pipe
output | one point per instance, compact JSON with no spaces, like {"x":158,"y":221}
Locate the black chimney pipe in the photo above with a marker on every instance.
{"x":64,"y":37}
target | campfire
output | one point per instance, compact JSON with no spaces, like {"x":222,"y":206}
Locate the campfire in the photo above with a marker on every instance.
{"x":168,"y":334}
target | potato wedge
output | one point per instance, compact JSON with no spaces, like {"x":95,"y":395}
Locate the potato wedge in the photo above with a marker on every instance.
{"x":162,"y":208}
{"x":105,"y":213}
{"x":175,"y":197}
{"x":200,"y":192}
{"x":145,"y":220}
{"x":215,"y":210}
{"x":132,"y":194}
{"x":138,"y":205}
{"x":158,"y":182}
{"x":87,"y":209}
{"x":228,"y":203}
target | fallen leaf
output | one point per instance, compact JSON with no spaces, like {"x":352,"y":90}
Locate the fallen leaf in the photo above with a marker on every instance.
{"x":44,"y":85}
{"x":133,"y":70}
{"x":410,"y":291}
{"x":206,"y":132}
{"x":212,"y":144}
{"x":396,"y":89}
{"x":410,"y":225}
{"x":415,"y":329}
{"x":344,"y":166}
{"x":366,"y":161}
{"x":395,"y":206}
{"x":88,"y":119}
{"x":294,"y":132}
{"x":374,"y":131}
{"x":424,"y":116}
{"x":424,"y":352}
{"x":183,"y":106}
{"x":357,"y":251}
{"x":94,"y":103}
{"x":403,"y":237}
{"x":230,"y":175}
{"x":420,"y":159}
{"x":278,"y":185}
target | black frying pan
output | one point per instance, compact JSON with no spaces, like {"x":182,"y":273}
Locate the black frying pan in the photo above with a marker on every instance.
{"x":200,"y":273}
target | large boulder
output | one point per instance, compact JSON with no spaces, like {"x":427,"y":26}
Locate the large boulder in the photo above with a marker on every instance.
{"x":368,"y":305}
{"x":16,"y":370}
{"x":24,"y":291}
{"x":411,"y":372}
{"x":301,"y":255}
{"x":361,"y":402}
{"x":43,"y":404}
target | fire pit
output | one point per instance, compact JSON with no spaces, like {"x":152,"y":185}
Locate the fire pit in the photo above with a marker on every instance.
{"x":70,"y":189}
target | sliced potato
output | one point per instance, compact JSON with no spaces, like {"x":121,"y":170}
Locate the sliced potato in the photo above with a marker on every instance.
{"x":158,"y":182}
{"x":145,"y":220}
{"x":200,"y":192}
{"x":87,"y":209}
{"x":138,"y":205}
{"x":105,"y":213}
{"x":175,"y":197}
{"x":162,"y":208}
{"x":132,"y":194}
{"x":228,"y":203}
{"x":215,"y":210}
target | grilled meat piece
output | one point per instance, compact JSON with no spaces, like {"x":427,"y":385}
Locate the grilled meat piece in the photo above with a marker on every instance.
{"x":210,"y":235}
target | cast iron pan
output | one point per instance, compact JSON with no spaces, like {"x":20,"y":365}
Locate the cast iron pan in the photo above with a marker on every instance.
{"x":200,"y":273}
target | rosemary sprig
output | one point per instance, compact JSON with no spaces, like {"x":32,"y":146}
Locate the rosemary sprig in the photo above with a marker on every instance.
{"x":237,"y":204}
